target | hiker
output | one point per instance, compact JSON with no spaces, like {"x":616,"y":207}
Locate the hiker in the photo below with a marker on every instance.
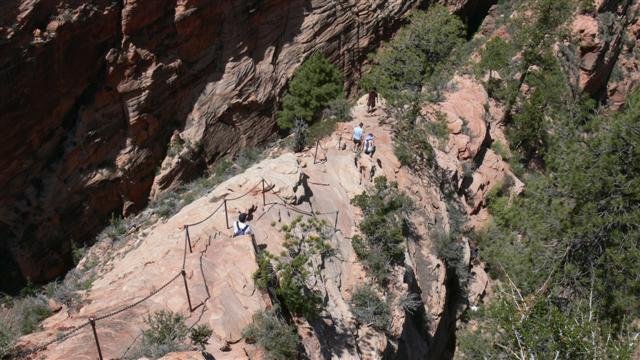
{"x":369,"y":147}
{"x":371,"y":101}
{"x":241,"y":226}
{"x":357,"y":137}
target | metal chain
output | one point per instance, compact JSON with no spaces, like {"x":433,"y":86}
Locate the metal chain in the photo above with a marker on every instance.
{"x":207,"y":218}
{"x":245,"y":194}
{"x":113,"y":313}
{"x":58,"y":338}
{"x":222,"y":203}
{"x":156,"y":291}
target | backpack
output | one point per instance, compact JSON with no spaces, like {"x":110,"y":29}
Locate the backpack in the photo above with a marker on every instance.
{"x":368,"y":146}
{"x":240,"y":231}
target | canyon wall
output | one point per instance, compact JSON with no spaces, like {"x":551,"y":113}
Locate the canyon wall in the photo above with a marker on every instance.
{"x":92,"y":92}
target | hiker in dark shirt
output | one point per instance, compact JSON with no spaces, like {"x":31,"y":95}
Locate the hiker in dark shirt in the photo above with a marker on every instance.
{"x":371,"y":101}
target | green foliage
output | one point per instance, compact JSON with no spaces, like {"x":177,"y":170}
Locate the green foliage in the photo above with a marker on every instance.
{"x":77,"y":253}
{"x":368,"y":308}
{"x":496,"y":59}
{"x":305,"y":244}
{"x":166,"y":333}
{"x":587,"y":6}
{"x":543,"y":328}
{"x":20,"y":316}
{"x":264,"y":276}
{"x":449,"y":245}
{"x":570,"y":243}
{"x":169,"y":203}
{"x":314,"y":85}
{"x":200,"y":334}
{"x":175,"y":147}
{"x":300,"y":134}
{"x":540,"y":112}
{"x":338,"y":109}
{"x":418,"y":61}
{"x":305,"y":247}
{"x":273,"y":334}
{"x":116,"y":228}
{"x":415,"y":53}
{"x":496,"y":55}
{"x":501,"y":149}
{"x":385,"y":227}
{"x":321,"y":129}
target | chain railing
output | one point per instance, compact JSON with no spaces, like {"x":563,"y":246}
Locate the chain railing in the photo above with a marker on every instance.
{"x":93,"y":320}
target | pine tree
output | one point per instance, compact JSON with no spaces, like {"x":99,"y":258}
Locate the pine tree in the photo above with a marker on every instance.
{"x":313,"y":86}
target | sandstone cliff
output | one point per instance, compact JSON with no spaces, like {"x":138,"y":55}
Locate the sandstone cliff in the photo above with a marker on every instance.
{"x":92,"y":91}
{"x":219,"y":271}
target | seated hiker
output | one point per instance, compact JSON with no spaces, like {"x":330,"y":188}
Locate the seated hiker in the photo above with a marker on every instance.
{"x":357,"y":137}
{"x":241,"y":226}
{"x":369,"y":147}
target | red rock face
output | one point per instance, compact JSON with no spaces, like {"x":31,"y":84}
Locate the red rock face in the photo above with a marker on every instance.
{"x":606,"y":42}
{"x":92,"y":91}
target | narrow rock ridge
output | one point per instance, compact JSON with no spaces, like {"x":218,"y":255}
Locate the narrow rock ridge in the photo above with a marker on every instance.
{"x":222,"y":279}
{"x":92,"y":93}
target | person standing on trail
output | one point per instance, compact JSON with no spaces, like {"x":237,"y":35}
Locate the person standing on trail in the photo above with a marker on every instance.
{"x":357,"y":137}
{"x":369,"y":147}
{"x":371,"y":101}
{"x":241,"y":226}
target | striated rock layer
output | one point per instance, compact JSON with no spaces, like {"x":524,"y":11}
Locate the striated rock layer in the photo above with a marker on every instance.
{"x":91,"y":93}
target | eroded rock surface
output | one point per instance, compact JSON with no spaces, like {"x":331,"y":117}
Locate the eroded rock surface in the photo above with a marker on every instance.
{"x":92,"y":92}
{"x":219,"y":271}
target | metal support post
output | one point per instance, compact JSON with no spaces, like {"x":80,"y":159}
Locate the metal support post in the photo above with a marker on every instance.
{"x":335,"y":224}
{"x":186,"y":229}
{"x":226,"y":214}
{"x":316,"y":153}
{"x":92,"y":321}
{"x":186,"y":288}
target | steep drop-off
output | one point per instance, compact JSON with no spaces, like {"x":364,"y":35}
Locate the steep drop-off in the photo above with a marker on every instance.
{"x":91,"y":93}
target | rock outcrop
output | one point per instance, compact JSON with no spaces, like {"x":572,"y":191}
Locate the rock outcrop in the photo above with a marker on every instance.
{"x":607,"y":41}
{"x":92,"y":92}
{"x":220,"y":268}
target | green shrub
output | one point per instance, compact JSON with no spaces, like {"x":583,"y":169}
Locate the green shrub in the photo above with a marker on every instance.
{"x":167,"y":333}
{"x":313,"y":86}
{"x":569,"y":243}
{"x":304,"y":240}
{"x":385,"y":226}
{"x":587,"y":6}
{"x":321,"y":129}
{"x":404,"y":153}
{"x":411,"y":145}
{"x":20,"y":316}
{"x":64,"y":292}
{"x":175,"y":147}
{"x":264,"y":275}
{"x":411,"y":303}
{"x":300,"y":134}
{"x":409,"y":60}
{"x":273,"y":334}
{"x":200,"y":334}
{"x":368,"y":308}
{"x":496,"y":58}
{"x":116,"y":228}
{"x":339,"y":110}
{"x":169,"y":203}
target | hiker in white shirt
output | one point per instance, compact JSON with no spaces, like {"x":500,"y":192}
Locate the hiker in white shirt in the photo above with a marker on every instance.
{"x":241,"y":226}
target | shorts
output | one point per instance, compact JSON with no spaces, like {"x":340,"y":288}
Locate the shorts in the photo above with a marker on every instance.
{"x":357,"y":142}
